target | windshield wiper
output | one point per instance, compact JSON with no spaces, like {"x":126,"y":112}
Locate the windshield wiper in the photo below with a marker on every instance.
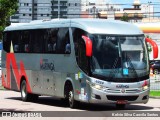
{"x":113,"y":71}
{"x":132,"y":67}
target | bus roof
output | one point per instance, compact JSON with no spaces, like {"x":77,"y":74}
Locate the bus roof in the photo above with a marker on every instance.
{"x":94,"y":26}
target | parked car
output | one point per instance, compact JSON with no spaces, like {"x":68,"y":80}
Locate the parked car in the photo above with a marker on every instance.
{"x":155,"y":66}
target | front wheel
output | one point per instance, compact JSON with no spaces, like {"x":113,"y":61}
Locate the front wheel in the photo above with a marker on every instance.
{"x":72,"y":103}
{"x":69,"y":95}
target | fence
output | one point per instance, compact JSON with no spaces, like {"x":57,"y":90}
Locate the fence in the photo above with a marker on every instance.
{"x":155,"y":81}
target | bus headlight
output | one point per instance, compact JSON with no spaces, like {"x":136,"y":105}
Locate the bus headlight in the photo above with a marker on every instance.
{"x":145,"y":85}
{"x":96,"y":86}
{"x":145,"y":88}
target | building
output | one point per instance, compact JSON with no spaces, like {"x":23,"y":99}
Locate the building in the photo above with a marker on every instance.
{"x":148,"y":10}
{"x":138,"y":13}
{"x":46,"y":9}
{"x":74,"y":8}
{"x":91,"y":10}
{"x":135,"y":14}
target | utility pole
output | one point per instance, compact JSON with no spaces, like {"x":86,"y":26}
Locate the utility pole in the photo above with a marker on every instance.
{"x":149,"y":2}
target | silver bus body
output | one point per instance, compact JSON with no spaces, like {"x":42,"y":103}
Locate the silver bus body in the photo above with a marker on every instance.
{"x":47,"y":74}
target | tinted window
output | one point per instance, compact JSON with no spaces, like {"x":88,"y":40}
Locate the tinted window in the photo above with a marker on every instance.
{"x":16,"y":41}
{"x":25,"y":42}
{"x":80,"y":49}
{"x":57,"y":41}
{"x":63,"y":42}
{"x":50,"y":37}
{"x":37,"y":41}
{"x":6,"y":41}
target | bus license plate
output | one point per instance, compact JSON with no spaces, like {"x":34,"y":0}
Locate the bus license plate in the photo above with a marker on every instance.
{"x":121,"y":101}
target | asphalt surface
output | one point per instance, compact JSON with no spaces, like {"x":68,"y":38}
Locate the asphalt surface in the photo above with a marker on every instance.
{"x":11,"y":102}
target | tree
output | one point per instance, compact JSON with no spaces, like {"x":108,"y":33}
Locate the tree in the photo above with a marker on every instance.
{"x":125,"y":17}
{"x":7,"y":8}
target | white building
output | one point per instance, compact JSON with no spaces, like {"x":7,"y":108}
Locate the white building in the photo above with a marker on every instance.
{"x":148,"y":10}
{"x":98,"y":6}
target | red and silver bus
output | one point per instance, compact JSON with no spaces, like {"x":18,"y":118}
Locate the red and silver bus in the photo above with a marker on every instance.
{"x":80,"y":60}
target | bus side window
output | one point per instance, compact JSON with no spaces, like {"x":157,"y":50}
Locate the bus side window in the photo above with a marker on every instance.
{"x":15,"y":41}
{"x":63,"y":43}
{"x":25,"y":41}
{"x":7,"y":41}
{"x":51,"y":39}
{"x":37,"y":41}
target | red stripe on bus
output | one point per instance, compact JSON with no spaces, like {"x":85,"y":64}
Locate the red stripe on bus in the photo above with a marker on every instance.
{"x":18,"y":73}
{"x":23,"y":73}
{"x":3,"y":81}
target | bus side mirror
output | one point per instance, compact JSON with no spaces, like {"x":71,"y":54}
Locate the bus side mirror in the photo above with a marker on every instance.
{"x":88,"y":43}
{"x":155,"y":47}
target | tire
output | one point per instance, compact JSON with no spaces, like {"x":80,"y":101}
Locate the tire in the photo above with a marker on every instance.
{"x":34,"y":97}
{"x":69,"y":96}
{"x":72,"y":102}
{"x":25,"y":95}
{"x":120,"y":106}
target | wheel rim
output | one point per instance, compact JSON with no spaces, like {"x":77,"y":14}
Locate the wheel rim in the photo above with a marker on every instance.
{"x":70,"y":97}
{"x":23,"y":91}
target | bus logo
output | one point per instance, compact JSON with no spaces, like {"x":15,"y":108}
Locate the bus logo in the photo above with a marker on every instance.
{"x":122,"y":86}
{"x":46,"y":65}
{"x":123,"y":91}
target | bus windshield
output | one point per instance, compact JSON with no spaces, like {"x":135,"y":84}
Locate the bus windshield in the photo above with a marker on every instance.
{"x":119,"y":57}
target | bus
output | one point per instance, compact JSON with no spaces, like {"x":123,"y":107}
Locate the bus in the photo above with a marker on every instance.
{"x":78,"y":60}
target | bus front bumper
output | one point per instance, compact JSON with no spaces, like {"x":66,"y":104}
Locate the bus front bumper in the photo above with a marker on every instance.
{"x":101,"y":97}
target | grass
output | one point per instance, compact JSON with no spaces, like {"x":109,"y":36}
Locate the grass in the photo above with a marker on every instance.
{"x":2,"y":88}
{"x":154,"y":93}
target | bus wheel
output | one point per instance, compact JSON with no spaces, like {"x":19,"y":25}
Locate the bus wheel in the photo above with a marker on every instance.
{"x":120,"y":106}
{"x":69,"y":93}
{"x":24,"y":95}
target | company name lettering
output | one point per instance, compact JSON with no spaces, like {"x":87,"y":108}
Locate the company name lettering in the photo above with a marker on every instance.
{"x":122,"y":86}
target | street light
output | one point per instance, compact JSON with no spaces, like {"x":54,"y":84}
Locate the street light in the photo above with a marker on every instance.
{"x":94,"y":9}
{"x":149,"y":2}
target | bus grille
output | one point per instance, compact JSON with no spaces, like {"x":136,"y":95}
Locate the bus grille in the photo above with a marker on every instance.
{"x":115,"y":98}
{"x":119,"y":90}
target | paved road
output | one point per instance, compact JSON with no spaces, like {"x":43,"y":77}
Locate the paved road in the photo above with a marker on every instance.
{"x":11,"y":101}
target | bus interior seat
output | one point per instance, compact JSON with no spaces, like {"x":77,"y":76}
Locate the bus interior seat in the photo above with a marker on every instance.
{"x":68,"y":48}
{"x":16,"y":47}
{"x":26,"y":48}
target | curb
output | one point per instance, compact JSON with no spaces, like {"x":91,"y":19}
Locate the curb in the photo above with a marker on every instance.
{"x":157,"y":80}
{"x":154,"y":97}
